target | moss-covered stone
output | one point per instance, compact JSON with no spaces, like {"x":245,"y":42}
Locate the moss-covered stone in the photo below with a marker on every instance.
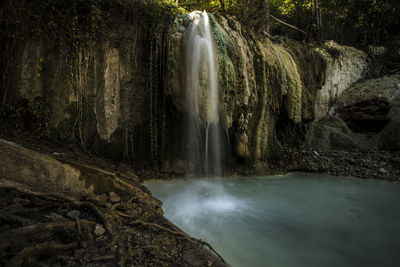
{"x":92,"y":66}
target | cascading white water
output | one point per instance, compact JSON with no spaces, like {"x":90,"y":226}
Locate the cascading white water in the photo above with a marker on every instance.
{"x":202,"y":95}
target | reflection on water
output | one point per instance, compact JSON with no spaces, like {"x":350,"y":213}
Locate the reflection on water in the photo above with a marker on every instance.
{"x":292,"y":220}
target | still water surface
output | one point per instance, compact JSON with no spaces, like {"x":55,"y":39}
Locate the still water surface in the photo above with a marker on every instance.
{"x":292,"y":220}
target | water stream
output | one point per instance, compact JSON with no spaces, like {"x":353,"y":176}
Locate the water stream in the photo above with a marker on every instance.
{"x":293,"y":220}
{"x":202,"y":97}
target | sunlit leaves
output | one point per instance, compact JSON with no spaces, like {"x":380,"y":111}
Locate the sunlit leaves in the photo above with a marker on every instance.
{"x":288,"y":7}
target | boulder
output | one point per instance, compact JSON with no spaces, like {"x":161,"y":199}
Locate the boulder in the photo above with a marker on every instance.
{"x":345,"y":66}
{"x":389,"y":137}
{"x":331,"y":133}
{"x":373,"y":106}
{"x":38,"y":170}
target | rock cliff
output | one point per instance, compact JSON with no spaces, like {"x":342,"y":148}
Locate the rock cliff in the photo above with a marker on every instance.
{"x":117,"y":90}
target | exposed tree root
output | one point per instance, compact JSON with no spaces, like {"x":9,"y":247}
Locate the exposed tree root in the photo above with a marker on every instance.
{"x":39,"y":228}
{"x":186,"y":236}
{"x":10,"y":218}
{"x":18,"y":259}
{"x":78,"y":226}
{"x":103,"y":258}
{"x":95,"y":210}
{"x":9,"y":185}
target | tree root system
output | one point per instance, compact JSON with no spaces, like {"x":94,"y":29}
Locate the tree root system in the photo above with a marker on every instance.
{"x":53,"y":229}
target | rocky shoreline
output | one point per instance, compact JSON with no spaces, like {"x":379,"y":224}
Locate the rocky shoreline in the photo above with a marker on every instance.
{"x":373,"y":164}
{"x":358,"y":163}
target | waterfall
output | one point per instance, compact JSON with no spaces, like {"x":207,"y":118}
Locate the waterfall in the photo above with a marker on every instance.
{"x":202,"y":97}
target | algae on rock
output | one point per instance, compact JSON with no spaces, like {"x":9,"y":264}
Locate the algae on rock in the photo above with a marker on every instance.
{"x":259,"y":82}
{"x":122,"y":93}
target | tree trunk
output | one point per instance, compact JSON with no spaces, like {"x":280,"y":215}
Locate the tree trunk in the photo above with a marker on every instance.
{"x":222,"y":5}
{"x":318,"y":20}
{"x":267,"y":15}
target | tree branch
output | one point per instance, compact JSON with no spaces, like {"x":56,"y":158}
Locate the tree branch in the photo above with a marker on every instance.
{"x":287,"y":24}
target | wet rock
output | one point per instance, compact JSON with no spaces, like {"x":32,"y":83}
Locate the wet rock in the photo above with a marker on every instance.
{"x":99,"y":230}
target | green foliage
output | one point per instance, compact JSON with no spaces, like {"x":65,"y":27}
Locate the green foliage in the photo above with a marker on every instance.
{"x":361,"y":21}
{"x":289,"y":7}
{"x":78,"y":21}
{"x":356,"y":22}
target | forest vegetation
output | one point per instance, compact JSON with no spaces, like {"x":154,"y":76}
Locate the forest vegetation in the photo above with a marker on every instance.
{"x":356,"y":22}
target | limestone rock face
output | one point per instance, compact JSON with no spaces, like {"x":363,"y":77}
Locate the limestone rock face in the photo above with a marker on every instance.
{"x":345,"y":66}
{"x":366,"y":116}
{"x":108,"y":100}
{"x":97,"y":93}
{"x":386,"y":88}
{"x":259,"y":82}
{"x":124,"y":97}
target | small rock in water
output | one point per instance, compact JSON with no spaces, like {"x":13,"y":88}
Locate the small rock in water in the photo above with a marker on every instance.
{"x":316,"y":153}
{"x":382,"y":170}
{"x":73,"y":213}
{"x":99,"y":230}
{"x":114,"y":198}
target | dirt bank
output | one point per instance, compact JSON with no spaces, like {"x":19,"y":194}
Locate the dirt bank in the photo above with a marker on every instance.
{"x":60,"y":208}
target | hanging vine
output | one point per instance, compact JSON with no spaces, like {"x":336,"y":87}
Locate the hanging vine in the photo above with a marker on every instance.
{"x":153,"y":94}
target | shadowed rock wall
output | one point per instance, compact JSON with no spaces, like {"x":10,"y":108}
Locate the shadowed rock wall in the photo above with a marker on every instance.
{"x":121,"y":94}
